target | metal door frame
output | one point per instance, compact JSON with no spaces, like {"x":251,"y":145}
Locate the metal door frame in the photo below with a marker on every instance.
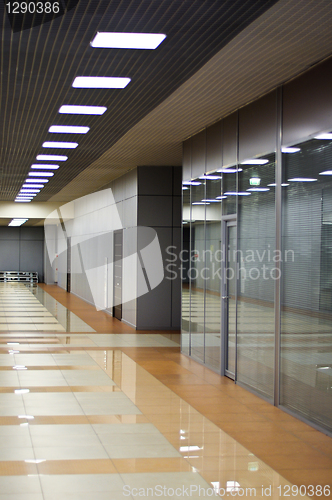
{"x":118,"y":232}
{"x":227,"y":221}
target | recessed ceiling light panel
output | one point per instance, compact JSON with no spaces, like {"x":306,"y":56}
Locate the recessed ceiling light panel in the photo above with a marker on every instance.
{"x":324,"y":137}
{"x":68,"y":145}
{"x":33,"y":185}
{"x":68,"y":129}
{"x":254,"y":161}
{"x":302,"y":179}
{"x":82,"y":110}
{"x":36,"y":180}
{"x":290,"y":150}
{"x":51,"y":158}
{"x":43,"y":166}
{"x":42,"y":174}
{"x":108,"y":40}
{"x":100,"y":82}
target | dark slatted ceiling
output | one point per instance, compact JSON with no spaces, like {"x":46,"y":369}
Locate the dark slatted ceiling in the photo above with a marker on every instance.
{"x":38,"y":66}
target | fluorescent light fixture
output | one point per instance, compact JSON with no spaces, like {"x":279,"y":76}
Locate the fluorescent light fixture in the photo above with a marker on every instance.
{"x":51,"y":158}
{"x":35,"y":460}
{"x":29,"y":190}
{"x":23,"y":200}
{"x":254,"y":161}
{"x":284,"y":184}
{"x":326,"y":172}
{"x":65,"y":145}
{"x":36,"y":180}
{"x":184,"y":188}
{"x":232,"y":486}
{"x":221,"y":197}
{"x":33,"y":185}
{"x":82,"y":110}
{"x":302,"y":179}
{"x":233,"y":193}
{"x":290,"y":150}
{"x":68,"y":129}
{"x":42,"y":166}
{"x":230,"y":170}
{"x":211,"y":177}
{"x":212,"y":201}
{"x":41,"y":174}
{"x":258,"y":189}
{"x":327,"y":136}
{"x":127,"y":40}
{"x":19,"y":367}
{"x":190,"y":448}
{"x":17,"y":222}
{"x":100,"y":82}
{"x":191,"y":183}
{"x":200,"y":203}
{"x":28,"y":417}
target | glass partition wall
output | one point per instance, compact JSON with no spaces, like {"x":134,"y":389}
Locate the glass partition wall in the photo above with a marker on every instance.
{"x":306,"y":307}
{"x":257,"y":300}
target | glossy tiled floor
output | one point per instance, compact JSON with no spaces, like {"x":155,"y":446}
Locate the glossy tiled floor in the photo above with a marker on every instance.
{"x":104,"y":412}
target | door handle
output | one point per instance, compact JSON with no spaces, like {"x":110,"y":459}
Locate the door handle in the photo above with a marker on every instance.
{"x":225,"y":297}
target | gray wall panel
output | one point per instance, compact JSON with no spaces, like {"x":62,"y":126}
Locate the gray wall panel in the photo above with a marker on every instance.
{"x":229,"y":146}
{"x":22,"y":249}
{"x":257,"y":127}
{"x":9,"y":255}
{"x":307,"y":103}
{"x":177,"y":211}
{"x":32,"y":233}
{"x":154,"y":308}
{"x":176,"y":285}
{"x":214,"y":147}
{"x":177,"y":181}
{"x":198,"y":155}
{"x":155,"y":211}
{"x":9,"y":233}
{"x":186,"y":160}
{"x":155,"y":180}
{"x":32,"y":257}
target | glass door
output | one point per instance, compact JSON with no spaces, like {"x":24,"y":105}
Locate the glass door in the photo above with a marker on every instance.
{"x":229,"y":296}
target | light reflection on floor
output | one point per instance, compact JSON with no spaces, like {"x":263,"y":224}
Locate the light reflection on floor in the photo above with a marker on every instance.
{"x":81,"y":420}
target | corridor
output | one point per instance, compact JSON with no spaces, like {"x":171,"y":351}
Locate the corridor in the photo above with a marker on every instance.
{"x":92,"y":409}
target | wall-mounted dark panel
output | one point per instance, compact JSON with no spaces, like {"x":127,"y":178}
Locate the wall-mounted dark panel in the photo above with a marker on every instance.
{"x":214,"y":147}
{"x":155,"y":211}
{"x":198,"y":154}
{"x":307,"y":103}
{"x":177,"y":181}
{"x":257,"y":127}
{"x":229,"y":148}
{"x":186,"y":160}
{"x":155,"y":180}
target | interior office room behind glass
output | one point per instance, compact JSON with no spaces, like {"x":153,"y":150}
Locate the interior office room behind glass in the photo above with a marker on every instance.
{"x":257,"y":227}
